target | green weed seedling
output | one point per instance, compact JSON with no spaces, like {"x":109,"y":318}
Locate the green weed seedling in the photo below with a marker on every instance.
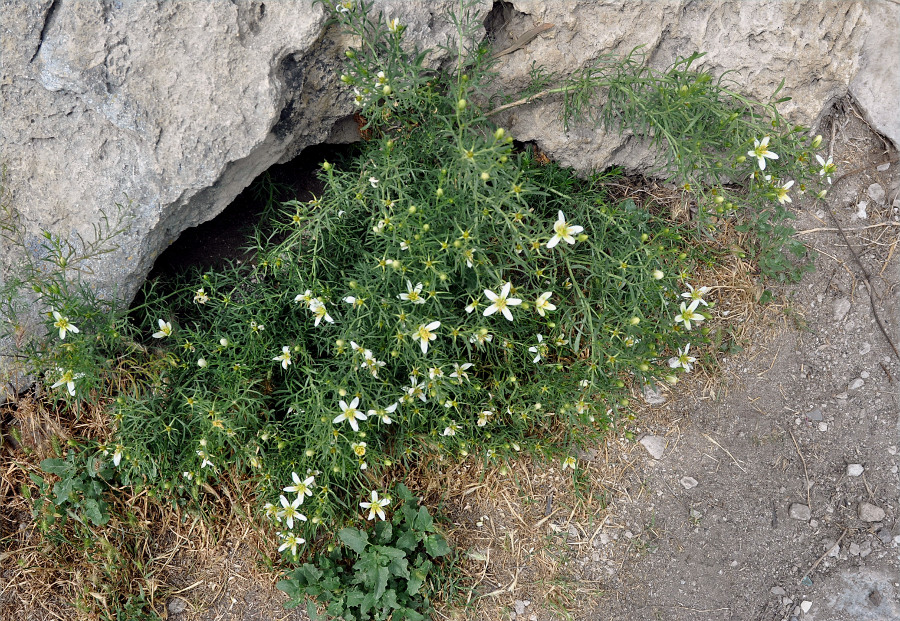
{"x":375,"y":573}
{"x":83,"y":481}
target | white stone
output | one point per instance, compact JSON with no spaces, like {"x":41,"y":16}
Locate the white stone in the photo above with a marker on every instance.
{"x":856,"y":384}
{"x":688,"y":482}
{"x":868,"y":512}
{"x":655,"y":445}
{"x":841,"y":308}
{"x":805,"y":605}
{"x":854,"y":470}
{"x":800,"y":512}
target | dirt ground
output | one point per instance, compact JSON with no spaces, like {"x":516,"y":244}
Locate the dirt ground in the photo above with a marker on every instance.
{"x":771,"y":492}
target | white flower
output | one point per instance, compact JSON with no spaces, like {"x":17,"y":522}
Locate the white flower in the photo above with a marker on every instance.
{"x":317,"y":307}
{"x":472,"y":305}
{"x":200,"y":296}
{"x":696,"y":294}
{"x":375,"y":506}
{"x":435,"y":372}
{"x":117,"y":455}
{"x":205,"y":457}
{"x":290,"y":540}
{"x":569,"y":462}
{"x":483,"y":418}
{"x":542,"y":304}
{"x":416,"y":389}
{"x":451,"y":429}
{"x":190,"y":477}
{"x":165,"y":329}
{"x":383,"y":413}
{"x":284,"y":357}
{"x":304,"y":298}
{"x":370,"y":363}
{"x":394,"y":25}
{"x":301,"y":488}
{"x":354,"y":300}
{"x":404,"y":245}
{"x":539,"y":349}
{"x":501,"y":302}
{"x":357,"y":348}
{"x":827,"y":169}
{"x":683,"y":360}
{"x":425,"y":333}
{"x":256,"y":327}
{"x":761,"y":151}
{"x":289,"y":510}
{"x":68,"y":380}
{"x":64,"y":326}
{"x":688,"y":315}
{"x":372,"y":180}
{"x":459,"y":371}
{"x":782,"y":193}
{"x":350,"y":414}
{"x":413,"y":294}
{"x":481,"y":337}
{"x":563,"y":232}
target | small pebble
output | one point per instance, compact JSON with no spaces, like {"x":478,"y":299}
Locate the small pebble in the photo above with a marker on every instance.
{"x":777,"y":590}
{"x":800,"y":512}
{"x":864,"y":375}
{"x":177,"y":605}
{"x":865,"y":349}
{"x":876,"y":192}
{"x":688,"y":482}
{"x":868,"y":512}
{"x":885,"y":535}
{"x":815,"y":415}
{"x":883,"y":167}
{"x":655,"y":445}
{"x":805,"y":605}
{"x":814,"y":523}
{"x":823,"y":426}
{"x":892,"y":450}
{"x":841,"y":308}
{"x":853,"y":549}
{"x":855,"y":384}
{"x":854,"y":470}
{"x":653,"y":395}
{"x":519,"y":605}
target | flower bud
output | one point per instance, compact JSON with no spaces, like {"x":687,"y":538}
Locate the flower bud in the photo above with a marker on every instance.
{"x":817,"y":141}
{"x":201,"y":363}
{"x":671,"y":379}
{"x":720,"y":200}
{"x":439,"y":192}
{"x":309,"y":452}
{"x":339,"y":342}
{"x":644,"y":237}
{"x":386,"y":90}
{"x":326,"y":166}
{"x":634,"y":321}
{"x":741,"y":159}
{"x":342,"y":392}
{"x":503,"y":159}
{"x":223,"y":342}
{"x":412,"y":209}
{"x":461,"y":104}
{"x":346,"y":79}
{"x":485,"y":176}
{"x":582,"y":237}
{"x":350,"y":54}
{"x":426,"y":227}
{"x":389,"y":145}
{"x":822,"y":194}
{"x":499,"y":133}
{"x":658,"y":275}
{"x":644,"y":367}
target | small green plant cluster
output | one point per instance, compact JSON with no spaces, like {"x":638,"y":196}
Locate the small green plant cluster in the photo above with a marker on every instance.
{"x":79,"y":493}
{"x":389,"y":576}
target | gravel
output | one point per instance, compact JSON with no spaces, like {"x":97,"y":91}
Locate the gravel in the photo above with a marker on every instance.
{"x":854,"y":470}
{"x":870,"y":513}
{"x":655,"y":445}
{"x":800,"y":512}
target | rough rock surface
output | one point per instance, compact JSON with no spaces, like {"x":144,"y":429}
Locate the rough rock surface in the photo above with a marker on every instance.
{"x":172,"y":109}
